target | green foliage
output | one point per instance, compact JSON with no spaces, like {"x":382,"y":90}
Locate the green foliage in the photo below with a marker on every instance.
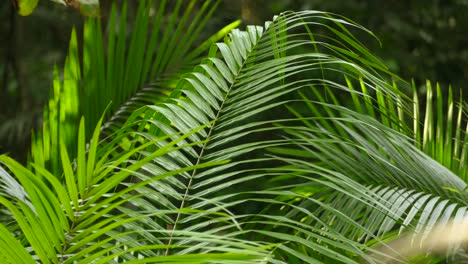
{"x":123,"y":75}
{"x":251,"y":157}
{"x":437,"y":125}
{"x":25,"y":7}
{"x":86,"y":7}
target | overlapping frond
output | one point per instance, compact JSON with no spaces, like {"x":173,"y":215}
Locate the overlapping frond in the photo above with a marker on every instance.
{"x":398,"y":162}
{"x":435,"y":121}
{"x":256,"y":73}
{"x":382,"y":183}
{"x":134,"y":64}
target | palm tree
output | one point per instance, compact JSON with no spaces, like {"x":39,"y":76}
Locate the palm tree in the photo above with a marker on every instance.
{"x":256,"y":155}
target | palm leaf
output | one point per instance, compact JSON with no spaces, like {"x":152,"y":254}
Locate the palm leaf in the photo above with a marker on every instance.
{"x":79,"y":221}
{"x":436,"y":122}
{"x":248,"y":80}
{"x":126,"y":74}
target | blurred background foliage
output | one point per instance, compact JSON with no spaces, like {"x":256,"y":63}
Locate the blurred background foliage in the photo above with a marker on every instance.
{"x":420,"y":39}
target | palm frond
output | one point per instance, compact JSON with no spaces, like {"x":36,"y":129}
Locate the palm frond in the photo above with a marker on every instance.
{"x":373,"y":154}
{"x":83,"y":220}
{"x":437,"y":123}
{"x":234,"y":92}
{"x":120,"y":72}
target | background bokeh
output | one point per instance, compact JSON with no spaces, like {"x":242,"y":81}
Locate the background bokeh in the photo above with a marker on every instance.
{"x":420,"y":39}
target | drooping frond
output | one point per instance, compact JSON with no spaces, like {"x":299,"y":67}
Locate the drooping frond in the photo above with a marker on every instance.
{"x":436,"y":122}
{"x":397,"y":182}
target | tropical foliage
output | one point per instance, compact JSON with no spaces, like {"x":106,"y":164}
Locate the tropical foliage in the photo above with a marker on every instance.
{"x":86,"y":7}
{"x":287,"y":143}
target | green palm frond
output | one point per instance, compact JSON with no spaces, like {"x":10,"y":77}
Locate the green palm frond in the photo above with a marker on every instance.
{"x":443,"y":135}
{"x":391,"y":173}
{"x":396,"y":185}
{"x":234,"y":93}
{"x":250,"y":159}
{"x":81,"y":220}
{"x":437,"y":123}
{"x":124,"y":71}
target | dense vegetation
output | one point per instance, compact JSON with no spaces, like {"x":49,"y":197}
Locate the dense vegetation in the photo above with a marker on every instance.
{"x":283,"y":143}
{"x":419,"y":40}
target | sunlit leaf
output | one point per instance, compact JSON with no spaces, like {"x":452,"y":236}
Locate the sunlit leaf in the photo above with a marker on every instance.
{"x":26,"y":7}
